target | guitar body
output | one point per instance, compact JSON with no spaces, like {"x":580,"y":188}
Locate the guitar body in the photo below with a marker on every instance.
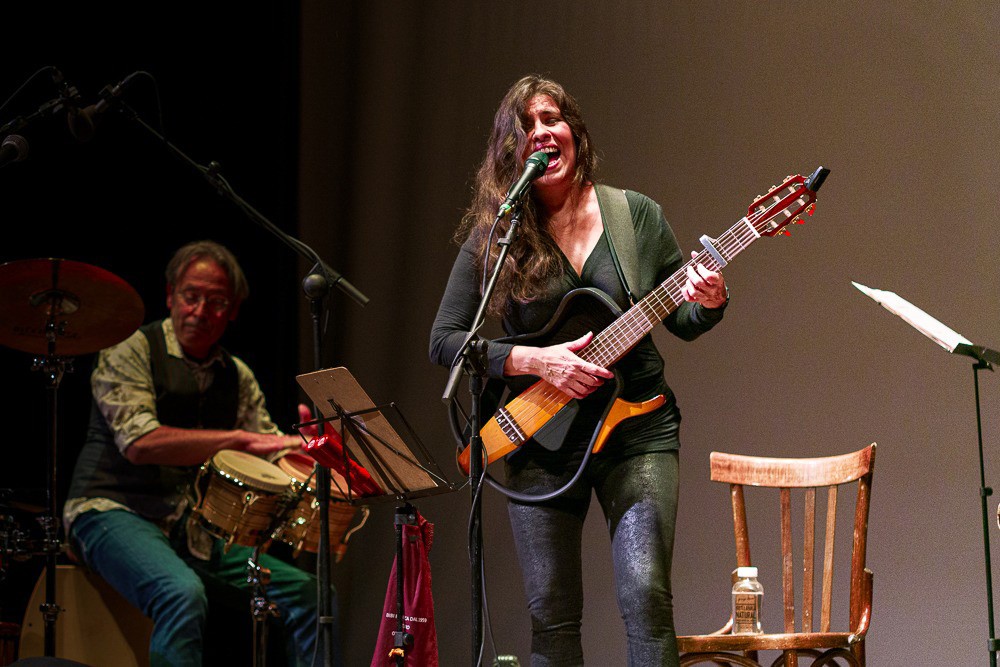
{"x":540,"y":412}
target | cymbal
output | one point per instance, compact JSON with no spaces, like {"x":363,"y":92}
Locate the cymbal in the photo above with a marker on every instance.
{"x":86,"y":307}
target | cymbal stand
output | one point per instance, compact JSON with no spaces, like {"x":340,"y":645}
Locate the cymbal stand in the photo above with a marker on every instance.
{"x":54,"y":367}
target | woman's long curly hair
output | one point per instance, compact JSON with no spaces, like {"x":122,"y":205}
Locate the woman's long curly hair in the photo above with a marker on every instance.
{"x":535,"y":258}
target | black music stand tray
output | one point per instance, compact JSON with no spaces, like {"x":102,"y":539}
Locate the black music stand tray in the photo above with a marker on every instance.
{"x":984,"y":357}
{"x":402,"y":468}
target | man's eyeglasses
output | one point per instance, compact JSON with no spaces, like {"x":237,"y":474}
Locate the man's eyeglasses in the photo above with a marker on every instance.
{"x":216,"y":304}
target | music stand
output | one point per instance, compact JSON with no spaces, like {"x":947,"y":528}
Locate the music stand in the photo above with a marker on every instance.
{"x":956,"y":343}
{"x":402,"y":467}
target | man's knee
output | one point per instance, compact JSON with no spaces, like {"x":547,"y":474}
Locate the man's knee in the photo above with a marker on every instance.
{"x":180,"y":596}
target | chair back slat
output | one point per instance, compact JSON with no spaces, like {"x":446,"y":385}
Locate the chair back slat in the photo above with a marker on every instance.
{"x":831,"y":530}
{"x":808,"y":558}
{"x":787,"y":565}
{"x":797,"y":473}
{"x":740,"y":526}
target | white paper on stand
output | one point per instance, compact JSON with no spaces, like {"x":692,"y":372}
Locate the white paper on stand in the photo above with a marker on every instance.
{"x":918,"y":319}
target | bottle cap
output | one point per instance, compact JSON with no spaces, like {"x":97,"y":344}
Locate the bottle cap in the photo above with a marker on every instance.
{"x":746,"y":572}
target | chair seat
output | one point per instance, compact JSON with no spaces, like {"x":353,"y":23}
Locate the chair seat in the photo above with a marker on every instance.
{"x":798,"y":640}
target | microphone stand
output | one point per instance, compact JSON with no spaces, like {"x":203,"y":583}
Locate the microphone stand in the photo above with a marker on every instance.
{"x":472,"y":360}
{"x":212,"y":175}
{"x":68,"y":99}
{"x":316,"y":286}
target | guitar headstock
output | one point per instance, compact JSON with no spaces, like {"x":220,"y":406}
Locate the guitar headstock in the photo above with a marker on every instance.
{"x":785,"y":204}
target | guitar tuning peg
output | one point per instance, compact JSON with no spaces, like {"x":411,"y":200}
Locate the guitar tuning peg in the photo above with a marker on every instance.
{"x":786,"y":232}
{"x":799,"y":221}
{"x":811,"y":209}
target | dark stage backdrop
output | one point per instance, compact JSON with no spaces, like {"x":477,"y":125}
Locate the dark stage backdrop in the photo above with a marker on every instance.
{"x":228,"y":91}
{"x":361,"y":124}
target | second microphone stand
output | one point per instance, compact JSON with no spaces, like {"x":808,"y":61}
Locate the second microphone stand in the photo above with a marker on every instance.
{"x":472,"y":360}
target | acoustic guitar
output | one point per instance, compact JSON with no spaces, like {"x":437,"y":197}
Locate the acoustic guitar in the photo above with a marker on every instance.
{"x":544,"y":413}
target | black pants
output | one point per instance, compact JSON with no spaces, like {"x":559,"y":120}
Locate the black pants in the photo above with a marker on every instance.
{"x":639,"y":498}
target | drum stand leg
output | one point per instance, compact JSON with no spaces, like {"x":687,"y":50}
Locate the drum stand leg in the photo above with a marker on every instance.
{"x":261,"y":609}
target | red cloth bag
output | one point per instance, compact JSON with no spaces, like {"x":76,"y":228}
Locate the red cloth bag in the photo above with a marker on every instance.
{"x":418,"y":605}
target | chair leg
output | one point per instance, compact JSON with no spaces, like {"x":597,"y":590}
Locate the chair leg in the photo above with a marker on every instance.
{"x":831,"y":657}
{"x":788,"y":659}
{"x":859,"y":652}
{"x":717,"y":658}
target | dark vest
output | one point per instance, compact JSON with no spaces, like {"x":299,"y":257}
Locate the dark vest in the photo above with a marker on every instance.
{"x":153,"y":491}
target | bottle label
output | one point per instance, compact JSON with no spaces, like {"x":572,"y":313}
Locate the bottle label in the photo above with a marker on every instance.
{"x":745,"y":613}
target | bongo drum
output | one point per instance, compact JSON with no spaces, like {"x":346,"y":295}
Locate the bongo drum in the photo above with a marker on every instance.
{"x":301,"y":527}
{"x":238,"y":496}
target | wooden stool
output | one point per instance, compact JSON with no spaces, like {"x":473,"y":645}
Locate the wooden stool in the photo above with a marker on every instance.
{"x":96,"y":626}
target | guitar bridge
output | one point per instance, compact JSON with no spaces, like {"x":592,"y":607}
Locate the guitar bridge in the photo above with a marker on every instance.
{"x":510,"y":427}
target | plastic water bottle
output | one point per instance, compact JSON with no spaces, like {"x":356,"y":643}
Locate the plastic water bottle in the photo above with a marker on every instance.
{"x":747,"y":596}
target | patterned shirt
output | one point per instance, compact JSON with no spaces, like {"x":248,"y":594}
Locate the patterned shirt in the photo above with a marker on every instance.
{"x":122,"y":386}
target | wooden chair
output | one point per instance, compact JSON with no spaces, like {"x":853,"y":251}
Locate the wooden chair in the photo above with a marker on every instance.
{"x":822,"y":646}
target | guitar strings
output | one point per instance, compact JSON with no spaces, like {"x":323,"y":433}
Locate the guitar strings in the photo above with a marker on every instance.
{"x":603,"y":351}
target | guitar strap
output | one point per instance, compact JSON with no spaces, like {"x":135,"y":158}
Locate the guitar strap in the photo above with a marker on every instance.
{"x":621,"y":235}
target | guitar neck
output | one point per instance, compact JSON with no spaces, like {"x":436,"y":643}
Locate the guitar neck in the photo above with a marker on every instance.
{"x":617,"y":339}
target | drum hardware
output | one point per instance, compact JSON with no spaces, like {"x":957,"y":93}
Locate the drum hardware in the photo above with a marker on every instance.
{"x":261,"y":609}
{"x":20,"y":545}
{"x":56,"y":309}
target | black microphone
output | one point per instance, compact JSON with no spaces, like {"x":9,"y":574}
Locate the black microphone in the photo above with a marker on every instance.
{"x":13,"y":149}
{"x":83,"y":122}
{"x":534,"y":166}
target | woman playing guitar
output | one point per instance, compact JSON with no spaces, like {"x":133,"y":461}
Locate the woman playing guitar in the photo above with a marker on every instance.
{"x":563,"y":246}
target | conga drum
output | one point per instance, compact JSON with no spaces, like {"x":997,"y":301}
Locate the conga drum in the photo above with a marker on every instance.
{"x":237,"y":497}
{"x":301,"y":527}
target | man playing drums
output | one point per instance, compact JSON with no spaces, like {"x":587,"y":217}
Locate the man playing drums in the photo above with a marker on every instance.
{"x":166,"y":400}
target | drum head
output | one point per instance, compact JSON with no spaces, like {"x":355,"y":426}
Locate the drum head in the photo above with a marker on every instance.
{"x":251,"y":470}
{"x":300,"y":466}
